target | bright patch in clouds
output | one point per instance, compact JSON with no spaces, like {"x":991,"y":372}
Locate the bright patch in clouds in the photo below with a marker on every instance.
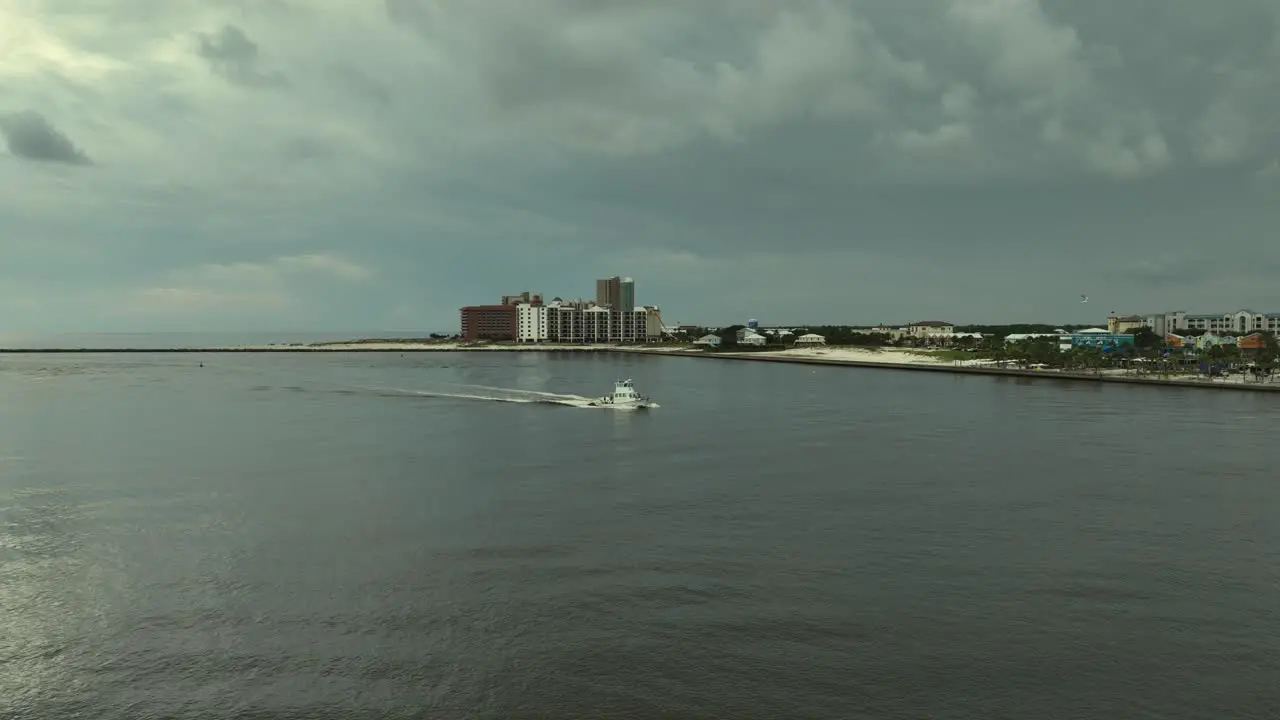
{"x":271,"y":286}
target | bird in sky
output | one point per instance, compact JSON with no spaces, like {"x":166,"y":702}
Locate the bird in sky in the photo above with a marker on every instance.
{"x":1084,"y":298}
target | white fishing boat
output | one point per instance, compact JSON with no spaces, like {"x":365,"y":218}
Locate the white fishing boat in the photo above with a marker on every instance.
{"x":624,"y":395}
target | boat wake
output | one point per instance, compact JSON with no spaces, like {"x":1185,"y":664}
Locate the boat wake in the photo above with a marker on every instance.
{"x":553,"y":398}
{"x":491,"y":394}
{"x":485,"y":393}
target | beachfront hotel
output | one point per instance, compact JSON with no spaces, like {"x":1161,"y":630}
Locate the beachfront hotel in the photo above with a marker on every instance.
{"x":1239,"y":322}
{"x":579,"y":322}
{"x":489,"y":322}
{"x":612,"y":318}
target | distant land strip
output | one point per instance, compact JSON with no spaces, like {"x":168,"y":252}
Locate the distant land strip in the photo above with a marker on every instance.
{"x":309,"y":349}
{"x":382,"y":346}
{"x":971,"y":370}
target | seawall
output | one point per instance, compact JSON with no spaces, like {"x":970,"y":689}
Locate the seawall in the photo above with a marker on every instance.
{"x":969,"y":370}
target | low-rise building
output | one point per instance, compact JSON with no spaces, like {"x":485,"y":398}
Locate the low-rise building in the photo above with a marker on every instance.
{"x":1097,"y":338}
{"x":1117,"y":324}
{"x":930,"y":327}
{"x":1253,"y":341}
{"x":1088,"y":338}
{"x":890,"y":332}
{"x":1209,"y":340}
{"x":752,"y":338}
{"x":811,"y":339}
{"x":1240,"y":322}
{"x":522,"y":298}
{"x":710,"y":340}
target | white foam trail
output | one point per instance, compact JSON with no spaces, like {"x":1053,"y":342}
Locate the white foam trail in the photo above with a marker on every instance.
{"x":543,"y":398}
{"x":556,"y":398}
{"x":539,"y":393}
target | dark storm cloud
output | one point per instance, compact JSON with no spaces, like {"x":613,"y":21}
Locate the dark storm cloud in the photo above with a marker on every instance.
{"x":989,"y":158}
{"x":947,"y":127}
{"x":231,"y":54}
{"x":722,"y":206}
{"x":31,"y":136}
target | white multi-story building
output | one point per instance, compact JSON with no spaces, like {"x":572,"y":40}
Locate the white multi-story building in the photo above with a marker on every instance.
{"x":531,"y":323}
{"x":580,"y":322}
{"x":1241,"y":322}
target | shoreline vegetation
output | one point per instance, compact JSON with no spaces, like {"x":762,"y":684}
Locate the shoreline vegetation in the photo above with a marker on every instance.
{"x":922,"y":362}
{"x":907,"y":359}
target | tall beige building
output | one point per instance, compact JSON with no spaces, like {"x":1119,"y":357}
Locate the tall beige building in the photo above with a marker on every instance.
{"x":616,"y":293}
{"x":609,"y":292}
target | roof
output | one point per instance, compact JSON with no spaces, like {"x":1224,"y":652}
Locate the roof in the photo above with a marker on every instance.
{"x":932,"y":323}
{"x":812,"y":336}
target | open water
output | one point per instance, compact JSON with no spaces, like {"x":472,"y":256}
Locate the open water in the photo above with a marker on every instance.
{"x":378,"y":535}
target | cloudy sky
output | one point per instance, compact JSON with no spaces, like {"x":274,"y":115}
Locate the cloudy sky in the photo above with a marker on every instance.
{"x":375,"y":164}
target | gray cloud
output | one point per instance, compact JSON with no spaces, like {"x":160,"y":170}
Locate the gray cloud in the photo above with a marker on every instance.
{"x":862,"y":159}
{"x":231,"y":54}
{"x":31,"y":136}
{"x":363,"y":86}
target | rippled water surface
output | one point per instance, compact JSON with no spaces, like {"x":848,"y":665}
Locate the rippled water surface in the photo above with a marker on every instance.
{"x":382,"y":536}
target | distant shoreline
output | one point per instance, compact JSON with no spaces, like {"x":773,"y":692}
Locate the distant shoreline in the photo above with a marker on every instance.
{"x":976,"y":370}
{"x":385,"y":346}
{"x":353,"y":346}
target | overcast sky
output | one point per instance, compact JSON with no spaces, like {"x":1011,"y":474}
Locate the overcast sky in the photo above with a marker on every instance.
{"x":370,"y":164}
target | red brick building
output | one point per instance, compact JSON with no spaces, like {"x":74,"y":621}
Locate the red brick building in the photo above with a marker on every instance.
{"x":489,"y":322}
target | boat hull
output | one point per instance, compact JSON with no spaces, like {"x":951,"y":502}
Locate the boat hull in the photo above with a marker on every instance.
{"x":619,"y":406}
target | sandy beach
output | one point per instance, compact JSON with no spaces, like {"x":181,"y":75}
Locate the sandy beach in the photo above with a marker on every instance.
{"x":860,"y":355}
{"x":922,"y":360}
